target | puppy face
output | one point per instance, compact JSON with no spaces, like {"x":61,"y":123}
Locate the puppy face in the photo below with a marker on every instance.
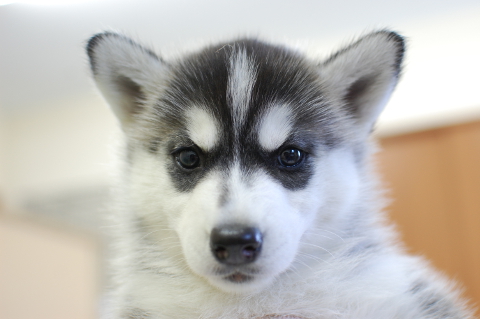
{"x":238,"y":151}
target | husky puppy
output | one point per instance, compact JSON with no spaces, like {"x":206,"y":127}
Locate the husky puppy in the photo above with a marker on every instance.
{"x":246,"y":190}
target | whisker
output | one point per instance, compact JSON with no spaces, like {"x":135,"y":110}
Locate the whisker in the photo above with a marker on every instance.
{"x":317,"y":246}
{"x":314,"y":257}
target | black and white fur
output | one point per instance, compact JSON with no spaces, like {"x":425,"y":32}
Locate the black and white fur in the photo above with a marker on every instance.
{"x":249,"y":139}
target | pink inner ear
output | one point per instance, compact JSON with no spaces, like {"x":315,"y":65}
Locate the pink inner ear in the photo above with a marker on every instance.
{"x":355,"y":93}
{"x":132,"y":91}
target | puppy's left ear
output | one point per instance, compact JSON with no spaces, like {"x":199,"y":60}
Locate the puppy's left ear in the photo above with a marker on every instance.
{"x":125,"y":72}
{"x":363,"y":75}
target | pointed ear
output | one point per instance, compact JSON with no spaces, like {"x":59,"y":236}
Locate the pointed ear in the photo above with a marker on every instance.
{"x":363,"y":75}
{"x":125,"y":72}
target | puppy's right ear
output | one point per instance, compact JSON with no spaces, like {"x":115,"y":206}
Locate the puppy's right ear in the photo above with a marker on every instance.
{"x":125,"y":72}
{"x":363,"y":75}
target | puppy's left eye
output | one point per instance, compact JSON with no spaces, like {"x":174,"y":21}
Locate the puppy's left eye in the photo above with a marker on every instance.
{"x":291,"y":157}
{"x":188,"y":158}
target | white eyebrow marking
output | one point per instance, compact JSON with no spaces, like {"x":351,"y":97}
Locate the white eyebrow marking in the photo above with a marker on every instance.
{"x":202,"y":127}
{"x":241,"y":79}
{"x":275,"y":127}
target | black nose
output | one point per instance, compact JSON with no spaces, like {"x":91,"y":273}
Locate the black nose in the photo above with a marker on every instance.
{"x":235,"y":244}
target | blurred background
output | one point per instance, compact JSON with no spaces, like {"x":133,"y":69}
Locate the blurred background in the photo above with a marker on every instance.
{"x":55,"y":129}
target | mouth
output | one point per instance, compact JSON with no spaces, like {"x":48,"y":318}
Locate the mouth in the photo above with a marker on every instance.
{"x":238,"y":278}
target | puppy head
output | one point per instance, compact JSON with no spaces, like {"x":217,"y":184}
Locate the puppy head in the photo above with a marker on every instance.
{"x":237,"y":150}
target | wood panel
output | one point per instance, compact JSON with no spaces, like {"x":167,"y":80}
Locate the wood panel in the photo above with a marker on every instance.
{"x":434,"y":177}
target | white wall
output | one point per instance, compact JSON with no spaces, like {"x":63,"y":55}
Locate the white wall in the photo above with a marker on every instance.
{"x":55,"y":151}
{"x":440,"y":85}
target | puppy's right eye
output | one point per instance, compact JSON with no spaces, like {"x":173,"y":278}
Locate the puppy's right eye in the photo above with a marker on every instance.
{"x":188,"y":158}
{"x":291,"y":157}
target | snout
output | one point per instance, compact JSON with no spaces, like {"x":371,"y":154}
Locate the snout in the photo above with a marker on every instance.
{"x":236,"y":244}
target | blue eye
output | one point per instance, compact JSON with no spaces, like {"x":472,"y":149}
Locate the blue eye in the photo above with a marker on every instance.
{"x":291,"y":157}
{"x":188,"y":158}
